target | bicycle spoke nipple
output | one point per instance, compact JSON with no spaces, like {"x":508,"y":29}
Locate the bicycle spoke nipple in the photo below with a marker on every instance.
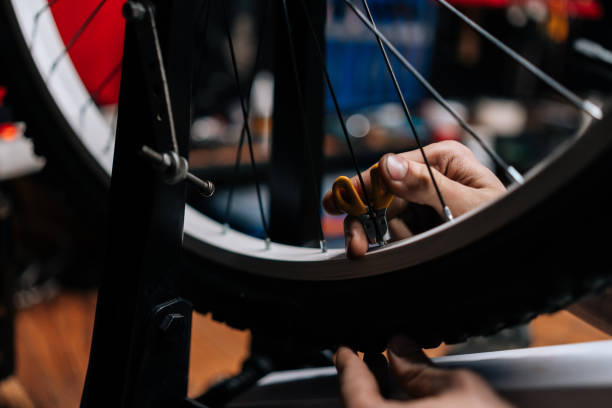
{"x":133,"y":11}
{"x":323,"y":245}
{"x":175,"y":169}
{"x":592,"y":109}
{"x":448,"y":214}
{"x":268,"y":243}
{"x":516,"y":176}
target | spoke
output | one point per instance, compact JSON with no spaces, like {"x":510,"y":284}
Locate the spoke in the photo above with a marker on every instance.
{"x":510,"y":171}
{"x":76,"y":36}
{"x":164,"y":79}
{"x":230,"y":195}
{"x":400,"y":94}
{"x":582,"y":104}
{"x":339,"y":114}
{"x":245,"y":116}
{"x":103,"y":84}
{"x":305,"y":130}
{"x":256,"y":64}
{"x":39,"y":13}
{"x":107,"y":80}
{"x":44,"y":9}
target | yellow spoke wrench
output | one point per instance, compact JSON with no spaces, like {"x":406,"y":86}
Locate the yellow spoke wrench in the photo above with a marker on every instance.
{"x":347,"y":199}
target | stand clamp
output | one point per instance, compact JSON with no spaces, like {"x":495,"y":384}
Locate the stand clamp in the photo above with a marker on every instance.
{"x":175,"y":169}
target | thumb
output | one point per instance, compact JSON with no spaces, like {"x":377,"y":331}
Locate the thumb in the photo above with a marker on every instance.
{"x":358,"y":387}
{"x":412,"y":181}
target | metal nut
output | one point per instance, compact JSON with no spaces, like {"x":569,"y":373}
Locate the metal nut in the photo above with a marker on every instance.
{"x":171,"y":322}
{"x":134,"y":11}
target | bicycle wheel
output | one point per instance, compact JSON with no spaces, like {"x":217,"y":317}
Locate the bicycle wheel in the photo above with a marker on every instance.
{"x":363,"y":302}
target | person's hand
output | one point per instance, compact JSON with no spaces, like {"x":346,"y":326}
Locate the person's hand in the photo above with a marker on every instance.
{"x":422,"y":385}
{"x":462,"y":180}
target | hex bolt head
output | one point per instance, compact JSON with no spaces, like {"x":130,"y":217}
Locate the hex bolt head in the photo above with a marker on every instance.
{"x":134,"y":11}
{"x":172,"y":322}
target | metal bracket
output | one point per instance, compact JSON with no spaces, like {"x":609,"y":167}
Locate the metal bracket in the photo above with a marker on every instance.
{"x":175,"y":169}
{"x":166,"y":351}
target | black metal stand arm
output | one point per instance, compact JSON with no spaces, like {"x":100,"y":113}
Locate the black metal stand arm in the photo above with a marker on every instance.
{"x":140,"y":349}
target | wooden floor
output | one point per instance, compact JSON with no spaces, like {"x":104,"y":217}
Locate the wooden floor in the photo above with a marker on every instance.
{"x":53,"y":338}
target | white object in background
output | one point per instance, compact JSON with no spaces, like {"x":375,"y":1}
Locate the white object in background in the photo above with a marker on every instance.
{"x":486,"y":134}
{"x":262,"y":95}
{"x":358,"y":125}
{"x":572,"y":375}
{"x":17,"y":157}
{"x":506,"y":118}
{"x":567,"y":366}
{"x":593,"y":50}
{"x":437,"y":116}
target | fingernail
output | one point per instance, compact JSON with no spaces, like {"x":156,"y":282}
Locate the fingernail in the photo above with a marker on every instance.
{"x":397,"y":168}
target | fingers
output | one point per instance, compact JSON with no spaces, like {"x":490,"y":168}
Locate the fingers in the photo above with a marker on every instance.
{"x":436,"y":387}
{"x":417,"y":376}
{"x":399,"y":229}
{"x":379,"y":367}
{"x":356,"y":241}
{"x":358,"y":386}
{"x":449,"y":158}
{"x":413,"y":370}
{"x":457,"y":162}
{"x":442,"y":387}
{"x":419,"y":379}
{"x":407,"y":349}
{"x":460,"y":180}
{"x":412,"y":181}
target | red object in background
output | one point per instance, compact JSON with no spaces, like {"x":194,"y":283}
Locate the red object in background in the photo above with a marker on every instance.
{"x":8,"y":132}
{"x":446,"y":132}
{"x":480,"y":3}
{"x":333,"y":226}
{"x":589,"y":9}
{"x":2,"y":95}
{"x":98,"y":51}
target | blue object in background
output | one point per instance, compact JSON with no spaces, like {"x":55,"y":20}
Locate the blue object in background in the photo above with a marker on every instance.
{"x":361,"y":81}
{"x":356,"y":66}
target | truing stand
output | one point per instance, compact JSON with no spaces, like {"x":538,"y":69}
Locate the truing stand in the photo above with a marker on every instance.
{"x":140,"y":348}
